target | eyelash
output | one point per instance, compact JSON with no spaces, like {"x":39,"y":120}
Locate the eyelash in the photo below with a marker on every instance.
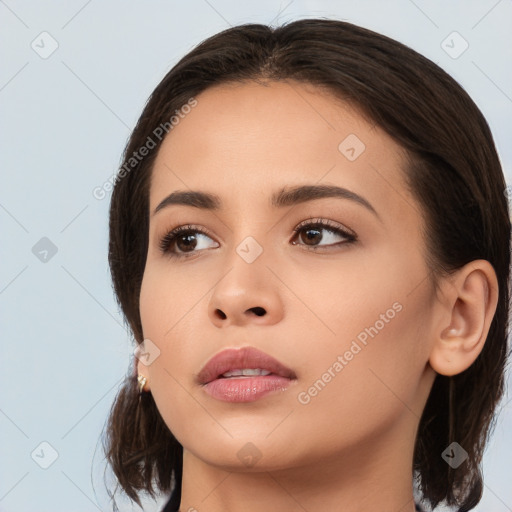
{"x":172,"y":236}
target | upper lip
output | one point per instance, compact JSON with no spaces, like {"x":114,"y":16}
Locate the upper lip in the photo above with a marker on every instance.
{"x":239,"y":359}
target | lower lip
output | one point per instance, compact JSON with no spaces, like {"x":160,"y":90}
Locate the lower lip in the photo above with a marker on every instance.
{"x":245,"y":389}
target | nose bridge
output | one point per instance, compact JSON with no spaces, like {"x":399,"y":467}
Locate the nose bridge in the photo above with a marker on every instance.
{"x":246,"y":265}
{"x":252,"y":248}
{"x":250,"y":236}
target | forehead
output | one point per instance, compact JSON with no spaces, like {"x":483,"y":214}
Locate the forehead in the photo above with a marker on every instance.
{"x":243,"y":139}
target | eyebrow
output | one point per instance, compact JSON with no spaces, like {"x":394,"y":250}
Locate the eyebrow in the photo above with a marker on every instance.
{"x":280,"y":199}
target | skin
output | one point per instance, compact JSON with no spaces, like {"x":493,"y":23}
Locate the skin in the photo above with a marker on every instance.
{"x":351,"y":446}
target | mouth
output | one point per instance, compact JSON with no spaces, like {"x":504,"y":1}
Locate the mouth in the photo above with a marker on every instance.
{"x":244,"y":375}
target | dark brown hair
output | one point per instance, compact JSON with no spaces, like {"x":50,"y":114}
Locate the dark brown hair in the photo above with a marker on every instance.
{"x":453,"y":171}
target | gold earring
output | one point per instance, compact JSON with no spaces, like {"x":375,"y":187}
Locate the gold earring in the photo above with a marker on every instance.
{"x":142,"y":382}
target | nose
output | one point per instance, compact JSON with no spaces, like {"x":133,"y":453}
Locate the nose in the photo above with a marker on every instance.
{"x":248,"y":293}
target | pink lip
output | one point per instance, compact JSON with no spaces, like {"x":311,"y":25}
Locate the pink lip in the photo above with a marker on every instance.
{"x":246,"y":388}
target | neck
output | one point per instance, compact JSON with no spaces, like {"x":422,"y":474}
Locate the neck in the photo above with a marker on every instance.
{"x":377,"y":476}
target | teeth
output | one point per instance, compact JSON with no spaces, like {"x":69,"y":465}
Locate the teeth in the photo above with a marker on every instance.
{"x":246,"y":371}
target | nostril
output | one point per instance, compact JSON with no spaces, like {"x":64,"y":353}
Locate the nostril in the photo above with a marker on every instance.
{"x":258,"y":311}
{"x":221,"y":314}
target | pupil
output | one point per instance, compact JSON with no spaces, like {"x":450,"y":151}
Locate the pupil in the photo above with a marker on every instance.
{"x":188,"y":245}
{"x":315,"y":232}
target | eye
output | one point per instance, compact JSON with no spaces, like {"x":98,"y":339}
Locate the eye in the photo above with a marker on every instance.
{"x":313,"y":233}
{"x":184,"y":241}
{"x":181,"y":241}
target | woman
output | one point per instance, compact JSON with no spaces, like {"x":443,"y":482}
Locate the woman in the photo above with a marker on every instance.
{"x":311,"y":244}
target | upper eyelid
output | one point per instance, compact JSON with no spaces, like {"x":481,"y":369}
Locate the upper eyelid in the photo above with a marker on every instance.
{"x":325,"y":222}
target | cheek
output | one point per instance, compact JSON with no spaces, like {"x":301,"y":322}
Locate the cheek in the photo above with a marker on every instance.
{"x":165,"y":315}
{"x":166,"y":299}
{"x":376,"y":353}
{"x":167,"y":319}
{"x":369,"y":377}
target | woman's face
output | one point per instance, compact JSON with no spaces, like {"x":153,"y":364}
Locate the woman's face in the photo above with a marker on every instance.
{"x":349,"y":314}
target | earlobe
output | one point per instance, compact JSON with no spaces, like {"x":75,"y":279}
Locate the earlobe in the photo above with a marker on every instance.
{"x":471,"y":299}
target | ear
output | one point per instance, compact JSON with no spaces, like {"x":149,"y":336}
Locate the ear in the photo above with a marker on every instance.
{"x":471,"y":297}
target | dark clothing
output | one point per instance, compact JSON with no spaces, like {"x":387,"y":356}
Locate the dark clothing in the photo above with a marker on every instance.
{"x":173,"y":504}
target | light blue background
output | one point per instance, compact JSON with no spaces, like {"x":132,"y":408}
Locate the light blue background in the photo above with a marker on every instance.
{"x":65,"y":120}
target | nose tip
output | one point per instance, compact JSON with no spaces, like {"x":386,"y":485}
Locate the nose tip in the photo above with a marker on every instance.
{"x":245,"y":297}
